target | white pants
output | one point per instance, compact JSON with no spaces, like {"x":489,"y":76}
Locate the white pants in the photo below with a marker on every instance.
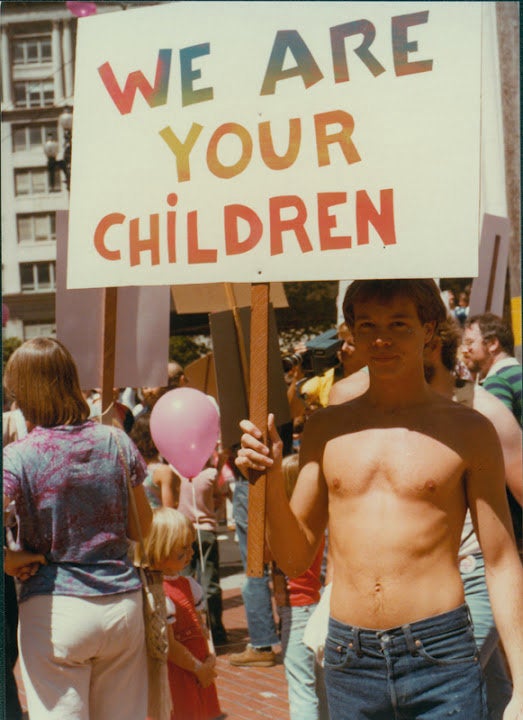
{"x":83,"y":658}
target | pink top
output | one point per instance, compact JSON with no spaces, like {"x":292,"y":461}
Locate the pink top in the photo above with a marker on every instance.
{"x":199,"y":507}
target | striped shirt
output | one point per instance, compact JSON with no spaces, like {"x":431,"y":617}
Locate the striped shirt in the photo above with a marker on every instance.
{"x":504,"y":381}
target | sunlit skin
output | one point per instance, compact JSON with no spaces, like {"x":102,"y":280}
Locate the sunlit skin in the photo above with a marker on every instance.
{"x":392,"y":473}
{"x":22,"y":564}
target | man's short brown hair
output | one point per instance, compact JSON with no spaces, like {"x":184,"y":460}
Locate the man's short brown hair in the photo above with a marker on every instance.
{"x":425,"y":295}
{"x":494,"y":327}
{"x":450,"y":334}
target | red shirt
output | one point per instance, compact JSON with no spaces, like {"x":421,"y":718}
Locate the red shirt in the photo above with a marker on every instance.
{"x":305,"y":589}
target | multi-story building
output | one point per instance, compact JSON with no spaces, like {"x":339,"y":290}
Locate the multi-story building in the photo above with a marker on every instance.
{"x":38,"y":57}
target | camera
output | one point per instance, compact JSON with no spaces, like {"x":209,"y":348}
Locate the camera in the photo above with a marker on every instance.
{"x":320,"y":355}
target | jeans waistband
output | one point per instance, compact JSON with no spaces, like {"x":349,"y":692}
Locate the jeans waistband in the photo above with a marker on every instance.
{"x":428,"y":627}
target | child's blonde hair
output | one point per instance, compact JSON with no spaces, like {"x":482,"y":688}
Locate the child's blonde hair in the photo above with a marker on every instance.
{"x":290,"y":467}
{"x":170,"y":530}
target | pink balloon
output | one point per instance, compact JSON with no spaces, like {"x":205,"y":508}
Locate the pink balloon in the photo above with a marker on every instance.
{"x":81,"y":9}
{"x":185,"y":427}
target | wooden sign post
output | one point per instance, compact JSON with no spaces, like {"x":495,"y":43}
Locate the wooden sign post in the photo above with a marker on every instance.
{"x":258,"y":415}
{"x":109,"y":352}
{"x":231,"y":299}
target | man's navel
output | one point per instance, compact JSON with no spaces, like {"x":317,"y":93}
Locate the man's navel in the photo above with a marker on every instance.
{"x":378,"y":596}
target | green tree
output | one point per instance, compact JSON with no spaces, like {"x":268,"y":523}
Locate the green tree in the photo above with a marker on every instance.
{"x":312,"y":306}
{"x":184,"y":350}
{"x":9,"y":345}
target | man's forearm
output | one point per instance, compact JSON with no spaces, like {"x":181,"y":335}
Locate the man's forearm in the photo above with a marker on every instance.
{"x":505,"y":584}
{"x":291,"y":546}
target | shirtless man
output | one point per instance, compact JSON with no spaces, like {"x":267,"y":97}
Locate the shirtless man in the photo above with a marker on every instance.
{"x":440,"y":358}
{"x":392,"y":472}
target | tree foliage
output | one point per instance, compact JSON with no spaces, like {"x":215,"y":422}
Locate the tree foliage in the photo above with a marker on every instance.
{"x":312,"y":307}
{"x":312,"y":310}
{"x":9,"y":345}
{"x":184,"y":350}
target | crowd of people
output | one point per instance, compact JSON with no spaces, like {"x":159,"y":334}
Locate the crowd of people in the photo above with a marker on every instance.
{"x":397,"y":488}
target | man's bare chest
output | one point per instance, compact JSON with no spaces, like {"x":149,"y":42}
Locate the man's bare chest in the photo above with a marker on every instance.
{"x":397,"y":460}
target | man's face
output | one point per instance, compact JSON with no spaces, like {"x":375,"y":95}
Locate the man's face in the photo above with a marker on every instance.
{"x":391,"y":336}
{"x":151,"y":395}
{"x":476,"y":355}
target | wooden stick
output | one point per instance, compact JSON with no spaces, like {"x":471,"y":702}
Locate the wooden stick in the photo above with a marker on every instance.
{"x":231,"y":299}
{"x":109,"y":352}
{"x":207,"y":373}
{"x":493,"y":270}
{"x":258,"y":404}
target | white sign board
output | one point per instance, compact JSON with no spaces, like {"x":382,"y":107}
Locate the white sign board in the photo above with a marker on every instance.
{"x":142,"y":327}
{"x":263,"y":141}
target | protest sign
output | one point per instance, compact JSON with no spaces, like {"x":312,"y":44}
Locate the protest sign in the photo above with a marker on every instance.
{"x":488,"y":289}
{"x":141,"y":343}
{"x":233,"y":396}
{"x":261,"y":141}
{"x":213,"y":297}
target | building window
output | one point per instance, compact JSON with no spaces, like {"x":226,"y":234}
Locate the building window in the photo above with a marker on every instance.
{"x":33,"y":331}
{"x":31,"y":50}
{"x":32,"y":137}
{"x":34,"y":93}
{"x":37,"y":227}
{"x":37,"y":276}
{"x":35,"y":181}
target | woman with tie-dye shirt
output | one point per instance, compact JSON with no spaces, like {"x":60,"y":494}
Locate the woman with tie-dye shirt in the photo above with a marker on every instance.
{"x":81,"y":631}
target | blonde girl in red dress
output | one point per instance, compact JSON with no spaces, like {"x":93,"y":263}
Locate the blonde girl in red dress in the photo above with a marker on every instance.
{"x":191,"y":666}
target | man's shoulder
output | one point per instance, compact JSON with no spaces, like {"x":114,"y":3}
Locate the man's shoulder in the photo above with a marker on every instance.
{"x":349,"y":388}
{"x":488,"y":404}
{"x":508,"y":368}
{"x":461,"y":417}
{"x":331,"y":419}
{"x":505,"y":382}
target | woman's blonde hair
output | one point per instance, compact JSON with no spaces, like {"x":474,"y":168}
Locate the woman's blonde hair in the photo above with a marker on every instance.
{"x":170,"y":530}
{"x":41,"y":377}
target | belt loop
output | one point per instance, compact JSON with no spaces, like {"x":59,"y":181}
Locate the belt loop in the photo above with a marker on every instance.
{"x":356,"y":641}
{"x":412,"y":645}
{"x":469,"y":617}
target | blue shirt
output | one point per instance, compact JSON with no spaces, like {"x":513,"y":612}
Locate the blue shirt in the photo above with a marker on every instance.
{"x":69,"y":490}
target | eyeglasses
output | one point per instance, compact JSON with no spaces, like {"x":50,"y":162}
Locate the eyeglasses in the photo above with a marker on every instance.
{"x":470,"y":343}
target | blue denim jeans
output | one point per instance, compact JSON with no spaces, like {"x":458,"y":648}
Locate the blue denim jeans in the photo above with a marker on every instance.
{"x":305,"y":681}
{"x":256,"y":592}
{"x":497,"y":680}
{"x":427,"y":670}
